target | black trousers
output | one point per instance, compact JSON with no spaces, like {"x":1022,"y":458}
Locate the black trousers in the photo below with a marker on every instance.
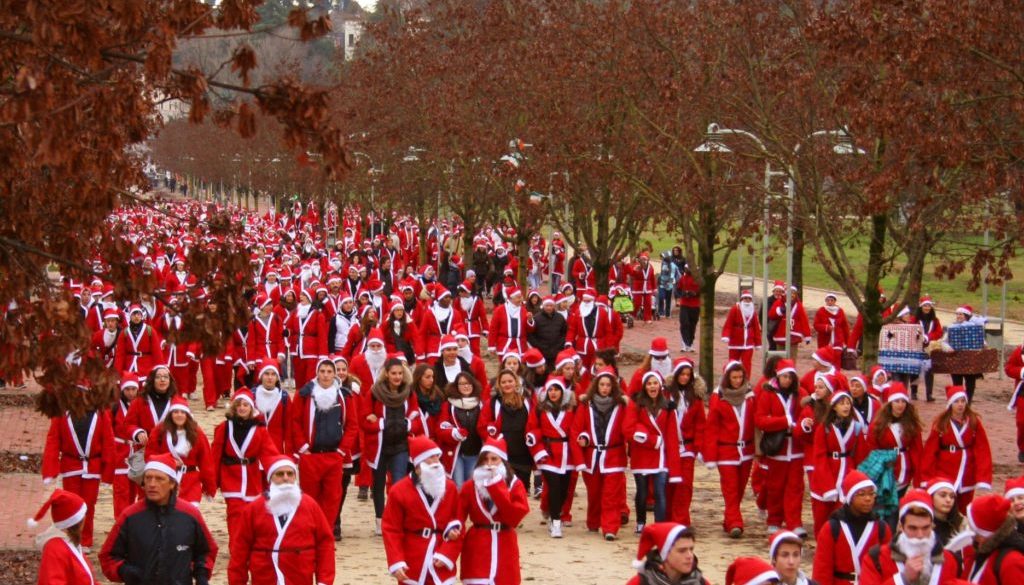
{"x":557,"y":485}
{"x":688,"y":317}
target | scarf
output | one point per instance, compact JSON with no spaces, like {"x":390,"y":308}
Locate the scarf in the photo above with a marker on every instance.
{"x":181,"y":447}
{"x":431,"y":406}
{"x":383,"y":393}
{"x":833,"y":310}
{"x":651,"y":575}
{"x":465,"y":402}
{"x":325,"y":398}
{"x":734,"y":396}
{"x":603,"y":404}
{"x":267,"y":400}
{"x":303,"y":310}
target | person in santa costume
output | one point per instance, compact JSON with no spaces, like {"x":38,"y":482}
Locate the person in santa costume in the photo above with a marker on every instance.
{"x":139,"y":345}
{"x":495,"y":500}
{"x":785,"y":551}
{"x":949,"y":522}
{"x":832,"y":328}
{"x":898,"y":427}
{"x":653,"y":447}
{"x":658,"y":359}
{"x":368,"y":364}
{"x":474,"y":315}
{"x":104,"y":341}
{"x":239,"y":444}
{"x":796,"y":325}
{"x":389,"y":417}
{"x":548,"y":437}
{"x":510,"y":325}
{"x":345,"y":319}
{"x":644,"y":283}
{"x":750,"y":571}
{"x":148,"y":410}
{"x":823,"y":360}
{"x":838,"y":447}
{"x":729,"y":441}
{"x":63,"y":560}
{"x":282,"y":536}
{"x":181,"y":357}
{"x":742,"y":330}
{"x":589,"y":329}
{"x":1014,"y":491}
{"x":1014,"y":369}
{"x":958,"y":447}
{"x":476,"y":365}
{"x":125,"y":490}
{"x":429,"y":397}
{"x":687,"y":391}
{"x":457,"y":433}
{"x":666,"y":555}
{"x":506,"y":414}
{"x":598,"y":432}
{"x":308,"y":338}
{"x":80,"y":451}
{"x":998,"y":546}
{"x":777,"y":410}
{"x":218,"y":369}
{"x":273,"y":404}
{"x":179,"y":435}
{"x":439,"y":321}
{"x":849,"y":532}
{"x":324,"y":434}
{"x":865,"y":404}
{"x":914,"y":556}
{"x":421,"y":524}
{"x":926,"y":317}
{"x":265,"y":338}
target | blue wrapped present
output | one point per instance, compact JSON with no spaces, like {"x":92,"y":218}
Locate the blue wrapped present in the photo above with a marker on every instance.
{"x":902,"y":362}
{"x":968,"y":335}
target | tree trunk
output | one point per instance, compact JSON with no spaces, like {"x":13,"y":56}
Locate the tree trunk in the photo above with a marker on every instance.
{"x":522,"y":251}
{"x":798,"y":260}
{"x":872,"y":315}
{"x":707,"y":325}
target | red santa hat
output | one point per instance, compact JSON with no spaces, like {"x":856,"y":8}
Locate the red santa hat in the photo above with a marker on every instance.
{"x":267,"y":365}
{"x":1014,"y":487}
{"x":334,"y":278}
{"x":375,"y":336}
{"x":916,"y":498}
{"x":650,"y":374}
{"x":778,"y":285}
{"x":824,"y":356}
{"x":375,"y":286}
{"x":782,"y":537}
{"x":607,"y":371}
{"x":680,"y":363}
{"x":514,"y":292}
{"x":732,"y":365}
{"x":588,"y":293}
{"x":136,"y":308}
{"x":547,"y":300}
{"x":965,"y":310}
{"x":111,"y":313}
{"x":179,"y":403}
{"x":750,"y":571}
{"x":564,"y":357}
{"x":447,"y":341}
{"x":164,"y":463}
{"x":939,"y":483}
{"x":785,"y":366}
{"x":830,"y":381}
{"x":497,"y":446}
{"x":895,"y":391}
{"x":338,"y":358}
{"x":876,"y":371}
{"x":533,"y":358}
{"x":305,"y":293}
{"x":66,"y":509}
{"x":925,"y":300}
{"x":277,"y":462}
{"x":245,"y":396}
{"x":659,"y":347}
{"x":129,"y":379}
{"x":954,"y":393}
{"x":903,"y":312}
{"x":854,"y":482}
{"x":466,"y":286}
{"x":461,"y":332}
{"x":986,"y":515}
{"x":746,"y":294}
{"x":660,"y":537}
{"x":399,"y":356}
{"x":262,"y":300}
{"x":421,"y":449}
{"x":839,"y":395}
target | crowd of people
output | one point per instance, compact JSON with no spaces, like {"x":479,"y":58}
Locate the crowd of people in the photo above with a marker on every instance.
{"x":362,"y":366}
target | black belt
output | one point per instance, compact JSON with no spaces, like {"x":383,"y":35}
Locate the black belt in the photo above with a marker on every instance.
{"x":689,"y":441}
{"x":839,"y":454}
{"x":492,"y":526}
{"x":135,"y":353}
{"x":229,"y":460}
{"x":601,"y":448}
{"x":187,"y":468}
{"x":296,"y":550}
{"x":323,"y":450}
{"x":845,"y":576}
{"x":955,"y":448}
{"x":740,"y":444}
{"x":556,"y":440}
{"x":425,"y":532}
{"x":88,"y":457}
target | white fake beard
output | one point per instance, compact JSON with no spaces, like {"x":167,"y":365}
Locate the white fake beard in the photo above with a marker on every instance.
{"x":486,"y":475}
{"x":663,"y":366}
{"x":303,"y":310}
{"x":586,"y":308}
{"x":325,"y":398}
{"x":375,"y":359}
{"x":433,"y":479}
{"x":267,"y":400}
{"x":833,"y":310}
{"x":182,"y":448}
{"x":746,"y":309}
{"x":466,"y":353}
{"x":918,"y":547}
{"x":466,"y":303}
{"x":284,"y":499}
{"x":441,"y":313}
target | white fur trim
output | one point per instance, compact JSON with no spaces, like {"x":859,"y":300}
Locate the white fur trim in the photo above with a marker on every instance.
{"x":640,"y":437}
{"x":664,"y":546}
{"x":1012,"y":493}
{"x":906,"y":508}
{"x":73,"y":519}
{"x":898,"y":396}
{"x":162,"y":468}
{"x":956,"y":396}
{"x":283,"y":463}
{"x":426,"y":455}
{"x":31,"y":523}
{"x":863,"y":484}
{"x":940,"y":485}
{"x":783,"y":537}
{"x":495,"y":450}
{"x":181,"y":407}
{"x":638,"y":564}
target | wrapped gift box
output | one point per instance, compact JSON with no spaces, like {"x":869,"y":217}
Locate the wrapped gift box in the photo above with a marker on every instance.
{"x":968,"y":361}
{"x":901,"y":337}
{"x":902,"y":362}
{"x":966,"y":336}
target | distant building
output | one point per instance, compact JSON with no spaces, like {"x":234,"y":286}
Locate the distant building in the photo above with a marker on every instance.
{"x":348,"y":18}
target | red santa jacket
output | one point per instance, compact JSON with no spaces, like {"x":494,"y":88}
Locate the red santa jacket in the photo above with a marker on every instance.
{"x":834,"y":454}
{"x":263,"y":551}
{"x":653,"y":446}
{"x":66,"y":456}
{"x":179,"y":355}
{"x":739,"y":332}
{"x":887,"y":571}
{"x":615,"y":323}
{"x":414,"y":532}
{"x":142,"y":416}
{"x":277,"y":420}
{"x":265,"y":339}
{"x":431,"y":329}
{"x":104,"y":345}
{"x":140,"y":353}
{"x":690,"y":423}
{"x":303,"y":422}
{"x":800,"y":329}
{"x":558,"y":251}
{"x":591,"y":334}
{"x":123,"y":446}
{"x":473,"y":315}
{"x":198,"y":463}
{"x":907,"y":467}
{"x":373,"y":432}
{"x":490,"y":547}
{"x":308,"y":336}
{"x":730,"y":430}
{"x":984,"y":573}
{"x":237,"y":465}
{"x":504,"y":338}
{"x":63,"y":563}
{"x":839,"y":556}
{"x":1014,"y":369}
{"x":774,"y":413}
{"x":643,"y":281}
{"x":582,"y":274}
{"x":603,"y":453}
{"x":832,"y":330}
{"x":549,"y":436}
{"x":450,"y":434}
{"x":960,"y":452}
{"x":489,"y":423}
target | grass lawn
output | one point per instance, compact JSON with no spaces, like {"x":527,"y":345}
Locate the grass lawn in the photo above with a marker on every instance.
{"x":947,"y":293}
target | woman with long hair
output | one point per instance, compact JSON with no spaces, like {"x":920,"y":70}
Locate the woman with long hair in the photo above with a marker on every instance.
{"x":400,"y":332}
{"x":729,"y":442}
{"x":535,"y":376}
{"x":180,"y":435}
{"x":63,"y":560}
{"x":686,"y":393}
{"x":358,"y":336}
{"x":458,"y":436}
{"x":495,"y":500}
{"x":949,"y":522}
{"x":958,"y":448}
{"x":547,"y":436}
{"x":150,"y":407}
{"x":429,"y":397}
{"x":932,"y":329}
{"x":898,"y":426}
{"x":778,"y":411}
{"x":506,"y":415}
{"x":838,"y":447}
{"x":649,"y":429}
{"x":511,"y":361}
{"x":598,"y":431}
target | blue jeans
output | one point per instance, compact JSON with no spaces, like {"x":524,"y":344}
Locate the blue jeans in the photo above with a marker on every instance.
{"x":462,"y":469}
{"x":398,"y":465}
{"x":640,"y":500}
{"x":556,"y":281}
{"x":665,"y":302}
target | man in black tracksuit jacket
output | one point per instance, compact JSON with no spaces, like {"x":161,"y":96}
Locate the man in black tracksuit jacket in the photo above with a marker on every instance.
{"x":550,"y":329}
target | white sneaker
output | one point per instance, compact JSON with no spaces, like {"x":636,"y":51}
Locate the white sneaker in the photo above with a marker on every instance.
{"x":556,"y":529}
{"x":376,"y":527}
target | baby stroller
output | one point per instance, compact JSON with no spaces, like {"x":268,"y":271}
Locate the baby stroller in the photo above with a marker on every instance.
{"x":622,"y":303}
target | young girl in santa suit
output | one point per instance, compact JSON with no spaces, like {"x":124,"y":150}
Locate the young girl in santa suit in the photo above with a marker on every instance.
{"x":898,"y":426}
{"x":239,"y":444}
{"x":495,"y":500}
{"x":865,"y":406}
{"x":272,"y":403}
{"x":429,"y":398}
{"x":839,"y":445}
{"x":649,"y":427}
{"x":598,"y":431}
{"x":350,"y":391}
{"x":458,"y":436}
{"x":568,"y":368}
{"x":548,"y":438}
{"x":931,"y":327}
{"x":180,"y":436}
{"x":506,"y":415}
{"x":778,"y":411}
{"x":63,"y":561}
{"x":126,"y":491}
{"x":729,"y":441}
{"x":686,"y":393}
{"x":958,"y":448}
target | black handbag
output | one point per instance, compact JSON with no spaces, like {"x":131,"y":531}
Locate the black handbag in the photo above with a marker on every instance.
{"x":772,"y":442}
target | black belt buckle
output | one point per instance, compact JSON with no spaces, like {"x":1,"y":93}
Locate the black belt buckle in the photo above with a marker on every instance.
{"x":427,"y":532}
